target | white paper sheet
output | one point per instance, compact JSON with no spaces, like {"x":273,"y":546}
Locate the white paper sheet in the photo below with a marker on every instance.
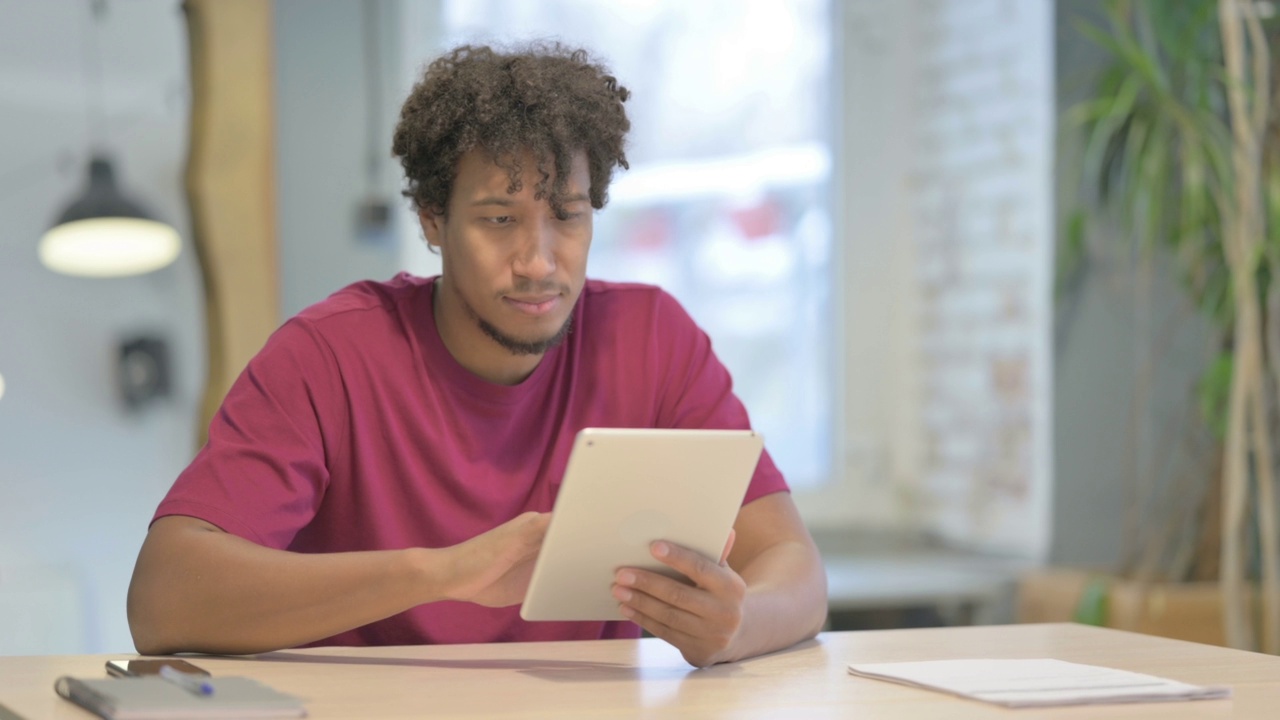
{"x":1036,"y":682}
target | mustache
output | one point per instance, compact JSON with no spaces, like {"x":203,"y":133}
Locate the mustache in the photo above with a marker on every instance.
{"x":529,"y":287}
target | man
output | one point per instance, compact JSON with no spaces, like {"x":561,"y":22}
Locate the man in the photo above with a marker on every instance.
{"x":382,"y":471}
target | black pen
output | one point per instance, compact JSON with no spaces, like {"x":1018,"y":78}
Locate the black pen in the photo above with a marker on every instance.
{"x":186,"y":681}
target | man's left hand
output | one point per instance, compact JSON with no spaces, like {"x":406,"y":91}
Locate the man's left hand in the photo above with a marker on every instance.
{"x":701,"y":619}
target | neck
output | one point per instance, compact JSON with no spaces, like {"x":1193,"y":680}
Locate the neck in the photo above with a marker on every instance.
{"x":475,"y":351}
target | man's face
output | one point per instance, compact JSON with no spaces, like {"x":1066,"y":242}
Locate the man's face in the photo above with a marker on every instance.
{"x":511,"y":268}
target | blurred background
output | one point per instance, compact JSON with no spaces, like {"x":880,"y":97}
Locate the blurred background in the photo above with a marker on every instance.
{"x":863,"y":203}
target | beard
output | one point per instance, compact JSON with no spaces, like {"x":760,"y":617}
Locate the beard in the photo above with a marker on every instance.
{"x":516,"y":346}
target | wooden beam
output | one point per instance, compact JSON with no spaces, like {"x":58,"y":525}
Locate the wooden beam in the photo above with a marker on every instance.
{"x":230,"y":183}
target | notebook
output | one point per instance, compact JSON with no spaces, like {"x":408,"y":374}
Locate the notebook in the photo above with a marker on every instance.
{"x":145,"y":698}
{"x":1036,"y":682}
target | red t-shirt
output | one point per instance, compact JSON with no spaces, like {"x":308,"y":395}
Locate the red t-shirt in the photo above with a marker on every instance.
{"x":355,"y":429}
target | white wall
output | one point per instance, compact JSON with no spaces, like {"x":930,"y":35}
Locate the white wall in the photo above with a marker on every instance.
{"x":322,"y":125}
{"x":79,"y":475}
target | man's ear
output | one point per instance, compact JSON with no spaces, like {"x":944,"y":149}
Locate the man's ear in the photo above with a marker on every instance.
{"x":432,"y":226}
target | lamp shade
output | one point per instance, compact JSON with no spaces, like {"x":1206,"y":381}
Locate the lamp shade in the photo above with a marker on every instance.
{"x":103,"y":234}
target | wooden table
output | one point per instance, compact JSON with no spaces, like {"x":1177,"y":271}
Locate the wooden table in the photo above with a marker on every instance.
{"x":647,"y":678}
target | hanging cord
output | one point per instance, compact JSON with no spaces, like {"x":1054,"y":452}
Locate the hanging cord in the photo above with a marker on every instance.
{"x":373,"y":94}
{"x":95,"y":112}
{"x":15,"y":179}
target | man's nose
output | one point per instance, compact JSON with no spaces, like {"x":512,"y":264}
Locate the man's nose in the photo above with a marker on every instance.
{"x":536,"y":257}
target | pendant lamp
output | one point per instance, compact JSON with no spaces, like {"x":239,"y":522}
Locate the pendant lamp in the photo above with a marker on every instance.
{"x":104,"y":234}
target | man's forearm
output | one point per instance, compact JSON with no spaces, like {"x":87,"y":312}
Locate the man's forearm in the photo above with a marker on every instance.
{"x":786,"y":600}
{"x":202,"y":590}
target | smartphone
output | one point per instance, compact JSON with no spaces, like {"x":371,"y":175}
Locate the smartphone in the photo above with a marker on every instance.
{"x":138,"y":668}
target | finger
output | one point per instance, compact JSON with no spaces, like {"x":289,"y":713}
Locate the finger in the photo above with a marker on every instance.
{"x":523,"y":536}
{"x":728,"y":547}
{"x":695,"y":611}
{"x":688,"y":645}
{"x":680,"y":617}
{"x":534,"y":522}
{"x":700,"y":601}
{"x":693,"y":565}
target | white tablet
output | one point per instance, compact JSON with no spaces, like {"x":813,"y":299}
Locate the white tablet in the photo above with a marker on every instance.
{"x":625,"y":488}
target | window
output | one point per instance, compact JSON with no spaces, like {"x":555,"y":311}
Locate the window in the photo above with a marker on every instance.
{"x":727,"y":202}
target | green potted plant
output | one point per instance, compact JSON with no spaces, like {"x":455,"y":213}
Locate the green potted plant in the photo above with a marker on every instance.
{"x":1182,"y":148}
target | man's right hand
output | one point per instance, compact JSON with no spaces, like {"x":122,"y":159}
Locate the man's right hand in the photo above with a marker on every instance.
{"x":494,"y":568}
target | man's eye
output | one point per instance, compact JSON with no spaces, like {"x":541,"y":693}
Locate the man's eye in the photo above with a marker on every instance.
{"x":500,"y":220}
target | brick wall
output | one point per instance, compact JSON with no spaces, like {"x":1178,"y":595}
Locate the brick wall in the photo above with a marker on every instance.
{"x":950,"y":108}
{"x":981,"y":184}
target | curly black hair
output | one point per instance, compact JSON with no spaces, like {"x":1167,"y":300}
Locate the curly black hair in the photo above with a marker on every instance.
{"x":544,"y":98}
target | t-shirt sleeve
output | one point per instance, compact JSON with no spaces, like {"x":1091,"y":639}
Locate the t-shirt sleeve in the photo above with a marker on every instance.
{"x":264,"y":469}
{"x":697,"y":390}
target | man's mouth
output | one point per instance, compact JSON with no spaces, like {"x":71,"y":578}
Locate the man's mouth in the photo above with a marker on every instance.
{"x":533,"y":304}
